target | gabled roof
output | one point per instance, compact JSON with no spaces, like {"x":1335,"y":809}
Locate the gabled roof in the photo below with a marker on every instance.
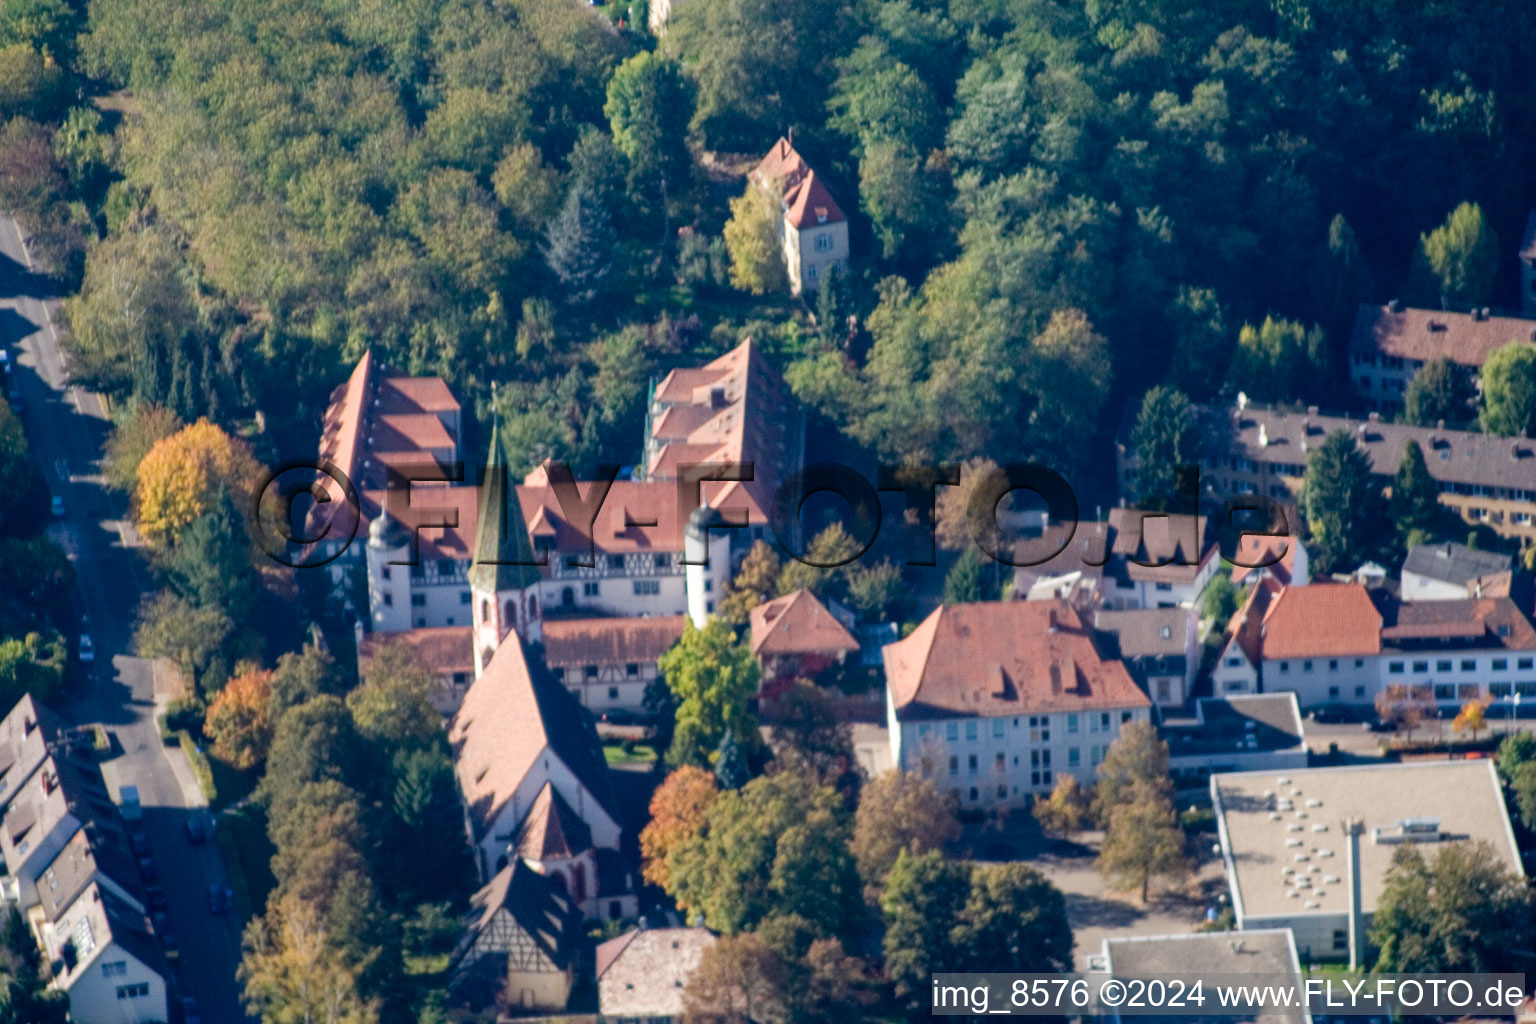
{"x":1174,"y":546}
{"x":95,"y":920}
{"x":551,"y":830}
{"x":26,"y":734}
{"x":1427,"y":334}
{"x":798,"y":623}
{"x":806,"y":200}
{"x":1146,"y":632}
{"x":510,"y":717}
{"x":1455,"y":563}
{"x":503,"y":552}
{"x":736,"y":408}
{"x":1485,"y":621}
{"x":81,"y":862}
{"x":1255,"y":547}
{"x":1322,"y":620}
{"x":443,"y":649}
{"x":610,"y":641}
{"x":1247,"y":625}
{"x":1004,"y":658}
{"x":643,"y":973}
{"x":636,"y":516}
{"x":379,"y":411}
{"x":539,"y":907}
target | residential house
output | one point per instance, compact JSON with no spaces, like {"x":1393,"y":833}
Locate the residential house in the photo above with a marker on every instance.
{"x":1450,"y":572}
{"x":1159,"y":646}
{"x":1252,"y":449}
{"x":732,"y":410}
{"x":1246,"y":732}
{"x":607,"y":663}
{"x":60,"y":798}
{"x":1455,"y":651}
{"x":641,"y":974}
{"x":1323,"y":642}
{"x":518,"y":733}
{"x":79,"y":865}
{"x":1390,"y":343}
{"x":797,"y":637}
{"x":1242,"y":646}
{"x":992,"y":700}
{"x":814,"y":231}
{"x":29,"y":732}
{"x":523,"y":933}
{"x":1289,"y":563}
{"x":1288,"y":851}
{"x":103,"y":954}
{"x":1135,"y":559}
{"x":1260,"y":956}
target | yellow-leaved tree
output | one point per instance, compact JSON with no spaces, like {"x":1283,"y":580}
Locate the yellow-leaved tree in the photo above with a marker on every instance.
{"x":186,"y":474}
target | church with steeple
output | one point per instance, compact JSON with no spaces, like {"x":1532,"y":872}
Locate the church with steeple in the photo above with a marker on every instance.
{"x":504,"y":577}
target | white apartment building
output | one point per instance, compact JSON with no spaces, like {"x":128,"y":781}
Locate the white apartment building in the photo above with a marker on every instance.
{"x":994,"y":700}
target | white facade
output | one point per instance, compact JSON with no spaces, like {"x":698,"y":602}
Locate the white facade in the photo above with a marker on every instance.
{"x":1317,"y":681}
{"x":1006,"y":761}
{"x":1418,"y":587}
{"x":1125,"y":592}
{"x":116,"y":988}
{"x":810,"y":252}
{"x":1235,"y":672}
{"x":502,"y":831}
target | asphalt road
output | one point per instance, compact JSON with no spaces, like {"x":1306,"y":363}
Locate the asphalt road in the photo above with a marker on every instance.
{"x":66,"y":427}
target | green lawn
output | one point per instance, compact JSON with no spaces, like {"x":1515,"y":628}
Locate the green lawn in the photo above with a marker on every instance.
{"x":643,"y":753}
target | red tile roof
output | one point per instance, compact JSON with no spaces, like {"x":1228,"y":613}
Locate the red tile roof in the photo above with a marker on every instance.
{"x":1177,"y":545}
{"x":1247,"y":624}
{"x":1496,"y":620}
{"x":551,"y":830}
{"x":798,"y":624}
{"x":806,"y":200}
{"x":1252,"y":547}
{"x":1427,"y":334}
{"x":614,"y":641}
{"x":734,"y":409}
{"x":1322,"y":620}
{"x":511,"y":715}
{"x":380,"y":412}
{"x":443,"y":649}
{"x":1004,"y":658}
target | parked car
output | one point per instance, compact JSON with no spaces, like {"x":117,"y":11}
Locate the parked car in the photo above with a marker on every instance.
{"x":196,"y":829}
{"x":128,"y":803}
{"x":189,"y":1014}
{"x":220,"y":898}
{"x":57,"y":506}
{"x":171,"y":947}
{"x":87,"y":648}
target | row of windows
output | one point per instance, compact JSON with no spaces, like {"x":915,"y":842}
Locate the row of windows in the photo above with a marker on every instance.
{"x":1466,"y":665}
{"x":590,"y":671}
{"x":1039,"y":726}
{"x":136,"y":991}
{"x":1306,"y":665}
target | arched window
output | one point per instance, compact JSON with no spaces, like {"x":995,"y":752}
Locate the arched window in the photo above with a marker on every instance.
{"x":533,"y":607}
{"x":485,"y":610}
{"x":510,"y":614}
{"x":567,"y":597}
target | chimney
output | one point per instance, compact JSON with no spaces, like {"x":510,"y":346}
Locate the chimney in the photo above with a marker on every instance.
{"x":1352,"y":830}
{"x":1395,"y":306}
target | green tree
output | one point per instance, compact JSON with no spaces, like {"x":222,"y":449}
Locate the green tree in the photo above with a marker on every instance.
{"x":1457,"y":262}
{"x":1143,"y":840}
{"x":878,"y":591}
{"x":1221,"y":600}
{"x":1515,"y":750}
{"x":924,"y":898}
{"x":431,"y":859}
{"x":31,"y":84}
{"x":649,"y":107}
{"x":313,"y":742}
{"x":1279,"y":360}
{"x":23,"y":505}
{"x":1013,"y":909}
{"x":1439,"y":391}
{"x":899,"y":811}
{"x":1134,"y":767}
{"x":972,"y":578}
{"x":579,"y":245}
{"x":1522,"y":785}
{"x":755,"y":582}
{"x":833,"y":547}
{"x":752,"y":239}
{"x":777,"y":846}
{"x":393,"y":705}
{"x":25,"y":997}
{"x":1165,"y":437}
{"x":210,"y":563}
{"x":731,"y":770}
{"x":1509,"y":390}
{"x":1415,"y":504}
{"x":1464,"y":910}
{"x":527,"y":187}
{"x":171,"y":627}
{"x":1066,"y":810}
{"x":711,"y":676}
{"x":1341,"y":501}
{"x":1203,"y":343}
{"x":137,"y":430}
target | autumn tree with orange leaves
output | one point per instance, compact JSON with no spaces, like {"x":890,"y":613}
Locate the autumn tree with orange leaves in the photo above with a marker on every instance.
{"x":185,"y":475}
{"x":678,"y":809}
{"x":238,"y":721}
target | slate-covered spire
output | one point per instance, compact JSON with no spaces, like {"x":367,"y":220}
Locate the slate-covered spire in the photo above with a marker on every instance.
{"x":501,"y":536}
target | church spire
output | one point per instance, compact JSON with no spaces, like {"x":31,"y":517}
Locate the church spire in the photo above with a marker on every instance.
{"x":503,"y":553}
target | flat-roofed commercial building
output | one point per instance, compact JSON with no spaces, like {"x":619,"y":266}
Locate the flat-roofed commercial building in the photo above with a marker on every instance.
{"x":1284,"y":841}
